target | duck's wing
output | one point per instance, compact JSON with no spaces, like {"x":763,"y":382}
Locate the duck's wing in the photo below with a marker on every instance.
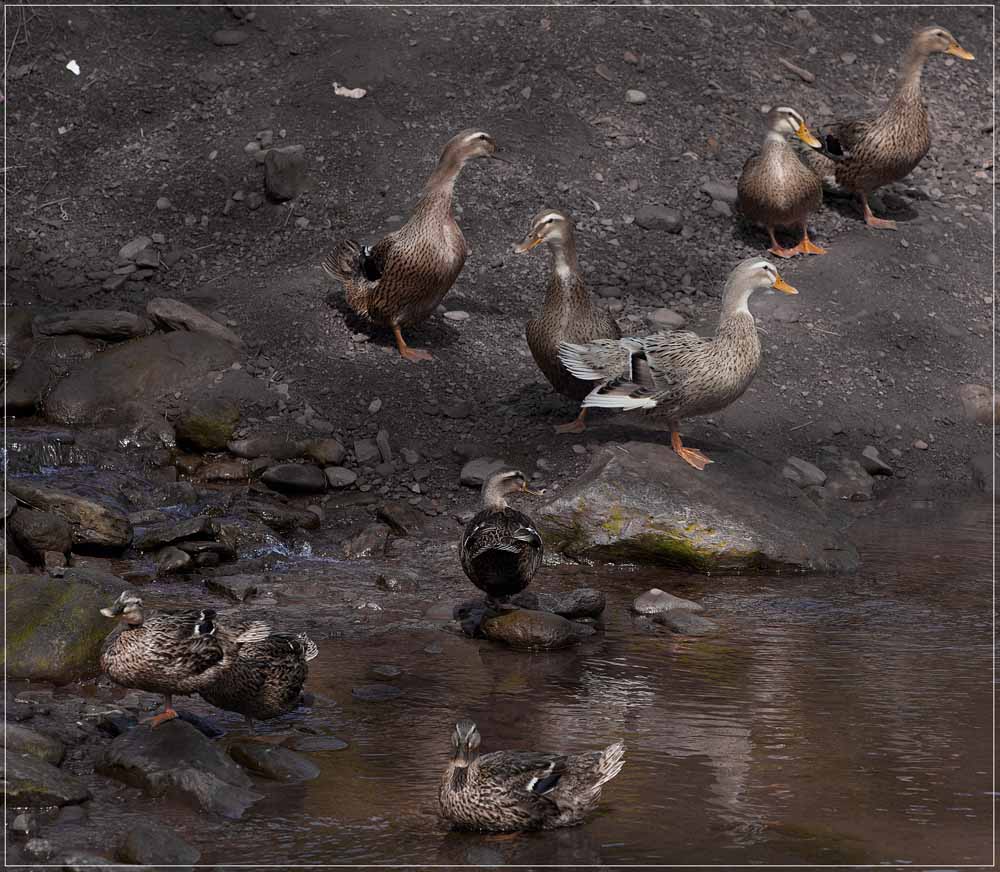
{"x":527,"y":773}
{"x":499,"y":531}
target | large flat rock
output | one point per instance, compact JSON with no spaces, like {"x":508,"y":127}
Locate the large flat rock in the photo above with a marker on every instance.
{"x":91,"y":522}
{"x":30,"y":781}
{"x":142,"y":371}
{"x":640,"y":503}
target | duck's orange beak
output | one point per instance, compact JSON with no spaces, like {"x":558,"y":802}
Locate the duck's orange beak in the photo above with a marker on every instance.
{"x":804,"y":134}
{"x":528,"y":244}
{"x":781,"y":285}
{"x":959,"y":52}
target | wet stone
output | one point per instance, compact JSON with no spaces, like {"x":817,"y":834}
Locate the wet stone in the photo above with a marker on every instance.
{"x":21,"y":740}
{"x":584,"y":602}
{"x":849,"y":482}
{"x":803,"y":473}
{"x":275,"y":446}
{"x":338,"y":477}
{"x":30,"y":781}
{"x":402,"y":517}
{"x":41,"y":532}
{"x":524,"y":628}
{"x":224,"y":470}
{"x":151,"y":843}
{"x":237,"y":587}
{"x":873,"y":463}
{"x":295,"y":478}
{"x":94,"y":323}
{"x":369,"y":542}
{"x":686,"y":622}
{"x":475,"y":472}
{"x":159,"y":535}
{"x":656,"y":601}
{"x":313,"y":744}
{"x":378,"y":692}
{"x":385,"y":671}
{"x":273,"y":761}
{"x":326,"y":452}
{"x":399,"y":581}
{"x":171,"y":560}
{"x":207,"y":425}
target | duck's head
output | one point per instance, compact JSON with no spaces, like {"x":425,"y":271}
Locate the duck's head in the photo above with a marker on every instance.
{"x":757,"y":272}
{"x":784,"y":121}
{"x":937,"y":40}
{"x":502,"y":483}
{"x":469,"y":144}
{"x":549,"y":225}
{"x":205,"y":625}
{"x":465,"y":742}
{"x":128,"y":608}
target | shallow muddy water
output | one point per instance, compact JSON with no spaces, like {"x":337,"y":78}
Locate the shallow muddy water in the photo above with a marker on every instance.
{"x":833,"y":720}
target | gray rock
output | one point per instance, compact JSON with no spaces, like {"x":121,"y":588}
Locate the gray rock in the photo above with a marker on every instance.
{"x":31,"y":782}
{"x":224,"y":470}
{"x":635,"y":97}
{"x":369,"y":542}
{"x":277,"y":446}
{"x":656,"y":601}
{"x":979,"y":403}
{"x":873,"y":463}
{"x":95,"y":323}
{"x":171,"y":560}
{"x":91,"y":522}
{"x":314,"y":744}
{"x":158,"y":535}
{"x":176,"y":760}
{"x":326,"y":452}
{"x":667,"y":319}
{"x":207,"y":425}
{"x":659,"y":218}
{"x":24,"y":390}
{"x":131,"y":249}
{"x":273,"y":761}
{"x":151,"y":843}
{"x":366,"y":451}
{"x":283,"y":518}
{"x":384,"y":448}
{"x":849,"y":481}
{"x":475,"y":472}
{"x":38,"y":532}
{"x":686,"y":622}
{"x":229,"y":37}
{"x":175,"y":315}
{"x":720,"y":191}
{"x":803,"y":473}
{"x":385,"y":670}
{"x":584,"y":602}
{"x":402,"y":517}
{"x":525,"y":628}
{"x":237,"y":587}
{"x":285,"y":174}
{"x":399,"y":581}
{"x":339,"y":477}
{"x":20,"y":740}
{"x":295,"y":478}
{"x":377,"y":692}
{"x":641,"y":503}
{"x":54,"y":628}
{"x":99,"y":389}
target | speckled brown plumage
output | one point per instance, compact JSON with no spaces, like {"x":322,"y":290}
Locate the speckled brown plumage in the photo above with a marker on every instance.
{"x":401,"y":280}
{"x":501,"y":549}
{"x":872,"y":152}
{"x":510,"y":791}
{"x":681,"y":374}
{"x":265,"y":681}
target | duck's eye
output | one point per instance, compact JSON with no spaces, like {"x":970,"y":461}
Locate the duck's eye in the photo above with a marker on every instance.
{"x":482,"y":136}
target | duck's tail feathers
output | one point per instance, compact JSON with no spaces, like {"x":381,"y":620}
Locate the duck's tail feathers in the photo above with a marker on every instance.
{"x":344,"y":263}
{"x":611,"y":762}
{"x":598,"y":360}
{"x":619,"y":394}
{"x":309,"y":647}
{"x":257,"y":631}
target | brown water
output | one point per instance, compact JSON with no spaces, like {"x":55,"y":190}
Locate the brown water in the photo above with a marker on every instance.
{"x":833,"y":720}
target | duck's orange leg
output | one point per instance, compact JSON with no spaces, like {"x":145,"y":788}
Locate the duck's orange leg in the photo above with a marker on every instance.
{"x":689,"y":455}
{"x":871,"y":220}
{"x":414,"y":354}
{"x":776,"y":248}
{"x":576,"y":426}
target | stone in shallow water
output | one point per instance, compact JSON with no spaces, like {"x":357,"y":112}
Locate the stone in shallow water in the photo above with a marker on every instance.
{"x":92,"y":523}
{"x":295,"y":478}
{"x":312,"y":744}
{"x":273,"y":761}
{"x":655,"y":601}
{"x":21,"y":740}
{"x":30,"y":781}
{"x":96,"y":323}
{"x":171,"y":532}
{"x":524,"y":628}
{"x":377,"y":692}
{"x":584,"y":602}
{"x":686,"y":622}
{"x":150,"y":843}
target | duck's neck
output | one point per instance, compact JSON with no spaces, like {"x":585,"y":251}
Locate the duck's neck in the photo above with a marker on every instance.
{"x":773,"y":140}
{"x":437,"y":193}
{"x":908,"y":92}
{"x":565,"y":286}
{"x":494,"y":499}
{"x":735,"y":300}
{"x":462,"y":769}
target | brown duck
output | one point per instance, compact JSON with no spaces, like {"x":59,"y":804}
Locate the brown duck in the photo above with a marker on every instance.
{"x":775,"y":188}
{"x":864,"y":154}
{"x":568,"y":314}
{"x":401,"y":279}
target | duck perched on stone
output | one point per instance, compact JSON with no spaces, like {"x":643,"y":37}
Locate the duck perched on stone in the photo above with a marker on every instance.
{"x":508,"y":791}
{"x":681,"y":373}
{"x":568,"y":314}
{"x":170,"y":652}
{"x":401,"y":279}
{"x":265,"y":679}
{"x":501,"y":549}
{"x":863,"y":154}
{"x":775,"y":188}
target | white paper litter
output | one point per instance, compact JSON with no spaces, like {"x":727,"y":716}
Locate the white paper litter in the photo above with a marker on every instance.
{"x":353,"y":93}
{"x":73,"y":67}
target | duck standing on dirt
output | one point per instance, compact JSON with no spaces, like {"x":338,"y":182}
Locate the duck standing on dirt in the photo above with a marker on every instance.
{"x":775,"y":188}
{"x":265,"y":679}
{"x":681,"y":373}
{"x":568,"y":315}
{"x":863,"y":154}
{"x":401,"y":279}
{"x":509,"y":791}
{"x":501,"y":548}
{"x":170,"y":652}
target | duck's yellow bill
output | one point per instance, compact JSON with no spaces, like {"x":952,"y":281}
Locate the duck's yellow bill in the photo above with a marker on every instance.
{"x":528,"y":244}
{"x":534,"y":493}
{"x":781,"y":285}
{"x":959,"y":52}
{"x":804,"y":134}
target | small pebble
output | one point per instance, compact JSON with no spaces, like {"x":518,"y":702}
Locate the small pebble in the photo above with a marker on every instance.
{"x":636,"y":98}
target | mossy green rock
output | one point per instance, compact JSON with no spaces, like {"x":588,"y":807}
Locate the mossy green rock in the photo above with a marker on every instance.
{"x":32,"y":782}
{"x":640,"y":503}
{"x":208,"y":425}
{"x":54,"y":628}
{"x":21,"y":740}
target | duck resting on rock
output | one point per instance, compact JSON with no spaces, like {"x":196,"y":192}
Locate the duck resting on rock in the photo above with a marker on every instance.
{"x":568,"y":314}
{"x":861,"y":155}
{"x":510,"y":791}
{"x":177,"y":651}
{"x":501,"y":548}
{"x":776,"y":189}
{"x":401,"y":279}
{"x":679,"y":373}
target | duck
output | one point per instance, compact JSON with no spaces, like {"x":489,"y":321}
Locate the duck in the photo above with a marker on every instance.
{"x":399,"y":281}
{"x":501,"y":549}
{"x":776,"y":189}
{"x":265,"y":680}
{"x":513,"y":791}
{"x":680,"y":373}
{"x":171,"y":651}
{"x":568,"y":314}
{"x":860,"y":155}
